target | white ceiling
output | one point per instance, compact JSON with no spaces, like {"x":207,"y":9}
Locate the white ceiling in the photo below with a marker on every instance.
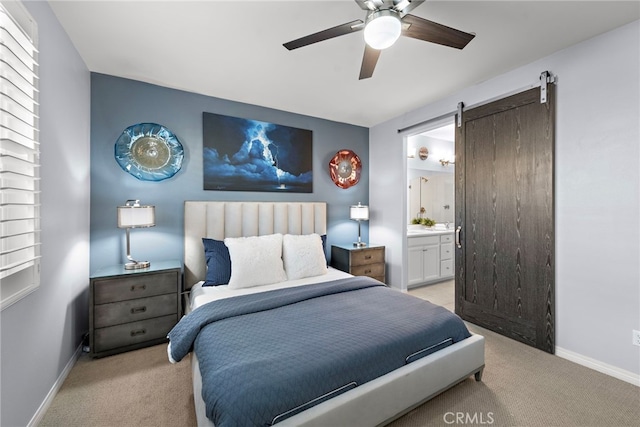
{"x":233,"y":49}
{"x":445,"y":133}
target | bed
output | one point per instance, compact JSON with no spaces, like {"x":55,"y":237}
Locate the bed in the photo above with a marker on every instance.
{"x":373,"y":401}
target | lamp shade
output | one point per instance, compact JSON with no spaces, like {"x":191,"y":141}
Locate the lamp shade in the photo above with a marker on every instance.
{"x":359,"y":212}
{"x":382,"y":29}
{"x":134,"y":215}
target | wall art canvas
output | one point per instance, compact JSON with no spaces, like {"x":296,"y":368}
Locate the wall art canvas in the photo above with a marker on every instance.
{"x":250,"y":155}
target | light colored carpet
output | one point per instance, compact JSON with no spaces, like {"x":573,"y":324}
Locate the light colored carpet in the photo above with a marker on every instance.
{"x":138,"y":388}
{"x":521,"y":386}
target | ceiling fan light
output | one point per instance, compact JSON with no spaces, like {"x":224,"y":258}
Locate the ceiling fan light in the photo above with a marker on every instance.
{"x":383,"y":29}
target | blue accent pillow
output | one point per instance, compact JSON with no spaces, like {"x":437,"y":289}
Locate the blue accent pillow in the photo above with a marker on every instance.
{"x":218,"y":262}
{"x":324,"y":247}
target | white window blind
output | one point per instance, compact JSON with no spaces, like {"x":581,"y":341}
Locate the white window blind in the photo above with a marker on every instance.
{"x":19,"y":157}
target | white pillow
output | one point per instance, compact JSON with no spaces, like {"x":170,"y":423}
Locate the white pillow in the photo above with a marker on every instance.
{"x":255,"y":260}
{"x":303,"y":256}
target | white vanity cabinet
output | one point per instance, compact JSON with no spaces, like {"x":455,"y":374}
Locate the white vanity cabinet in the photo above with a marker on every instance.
{"x":424,"y":259}
{"x":446,"y":256}
{"x":430,"y":258}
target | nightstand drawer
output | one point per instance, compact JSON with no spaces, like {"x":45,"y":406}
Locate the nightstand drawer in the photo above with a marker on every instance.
{"x":136,"y":309}
{"x":372,"y":270}
{"x":367,"y":256}
{"x":131,"y":309}
{"x":131,"y":287}
{"x":133,"y":333}
{"x":359,"y":261}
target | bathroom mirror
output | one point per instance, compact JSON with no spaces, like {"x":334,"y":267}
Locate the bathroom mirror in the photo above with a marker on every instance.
{"x":431,"y":195}
{"x":431,"y":180}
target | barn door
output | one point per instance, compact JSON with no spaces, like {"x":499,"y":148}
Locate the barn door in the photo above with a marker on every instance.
{"x":504,"y":213}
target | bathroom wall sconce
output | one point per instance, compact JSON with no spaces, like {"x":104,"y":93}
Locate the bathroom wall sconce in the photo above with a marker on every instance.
{"x":446,"y":162}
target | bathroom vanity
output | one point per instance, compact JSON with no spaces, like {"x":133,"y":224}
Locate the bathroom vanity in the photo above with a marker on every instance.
{"x":430,"y":256}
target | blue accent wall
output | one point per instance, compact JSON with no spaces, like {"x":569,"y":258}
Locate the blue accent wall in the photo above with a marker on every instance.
{"x":118,"y":103}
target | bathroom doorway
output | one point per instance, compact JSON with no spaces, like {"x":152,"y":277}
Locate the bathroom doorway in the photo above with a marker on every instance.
{"x":430,"y":213}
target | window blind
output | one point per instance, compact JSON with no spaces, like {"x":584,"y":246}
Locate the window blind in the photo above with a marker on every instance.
{"x":19,"y":159}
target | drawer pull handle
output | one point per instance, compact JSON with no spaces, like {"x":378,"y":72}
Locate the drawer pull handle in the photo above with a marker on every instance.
{"x":138,"y":310}
{"x":367,"y":271}
{"x":138,"y":287}
{"x":367,"y":257}
{"x":138,"y":332}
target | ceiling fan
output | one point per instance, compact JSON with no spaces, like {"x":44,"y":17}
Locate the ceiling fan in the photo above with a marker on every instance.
{"x":386,"y":21}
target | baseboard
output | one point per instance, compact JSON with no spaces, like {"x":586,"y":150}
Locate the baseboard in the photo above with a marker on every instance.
{"x":602,"y":367}
{"x":37,"y":417}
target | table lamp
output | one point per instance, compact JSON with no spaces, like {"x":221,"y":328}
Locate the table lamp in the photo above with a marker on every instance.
{"x":359,"y":213}
{"x":134,"y":215}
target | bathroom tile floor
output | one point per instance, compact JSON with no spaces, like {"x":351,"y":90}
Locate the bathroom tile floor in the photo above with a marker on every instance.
{"x":442,"y":293}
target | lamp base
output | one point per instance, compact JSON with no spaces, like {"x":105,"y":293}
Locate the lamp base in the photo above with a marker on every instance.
{"x":359,"y":244}
{"x":136,"y":265}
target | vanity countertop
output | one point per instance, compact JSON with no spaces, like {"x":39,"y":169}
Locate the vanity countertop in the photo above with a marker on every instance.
{"x":425,"y":232}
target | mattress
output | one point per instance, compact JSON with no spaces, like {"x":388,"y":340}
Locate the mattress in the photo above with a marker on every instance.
{"x":375,"y":342}
{"x":201,"y":295}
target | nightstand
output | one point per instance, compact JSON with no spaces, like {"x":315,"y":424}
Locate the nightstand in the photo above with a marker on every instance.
{"x":359,"y":261}
{"x":131,"y":309}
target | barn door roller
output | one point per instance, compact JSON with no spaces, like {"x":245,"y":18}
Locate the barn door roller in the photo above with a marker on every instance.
{"x":545,"y":78}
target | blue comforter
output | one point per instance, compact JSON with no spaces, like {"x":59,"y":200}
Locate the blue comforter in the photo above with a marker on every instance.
{"x":267,"y":356}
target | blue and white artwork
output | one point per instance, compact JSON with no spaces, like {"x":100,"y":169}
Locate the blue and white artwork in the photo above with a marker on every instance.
{"x":250,"y":155}
{"x":149,"y":152}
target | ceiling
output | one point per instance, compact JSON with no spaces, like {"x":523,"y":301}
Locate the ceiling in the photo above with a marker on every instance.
{"x":233,"y":49}
{"x":444,"y":133}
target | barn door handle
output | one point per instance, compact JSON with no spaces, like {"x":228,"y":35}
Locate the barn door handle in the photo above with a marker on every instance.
{"x":458,"y":243}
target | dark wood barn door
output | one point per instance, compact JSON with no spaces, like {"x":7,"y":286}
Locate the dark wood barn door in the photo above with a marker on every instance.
{"x":504,"y":206}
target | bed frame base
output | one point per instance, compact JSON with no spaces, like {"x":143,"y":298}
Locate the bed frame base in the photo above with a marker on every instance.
{"x":387,"y":398}
{"x":374,"y":403}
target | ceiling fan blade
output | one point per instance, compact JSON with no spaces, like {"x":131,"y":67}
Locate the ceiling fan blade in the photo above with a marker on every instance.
{"x":369,"y":61}
{"x":340,"y":30}
{"x":423,"y":29}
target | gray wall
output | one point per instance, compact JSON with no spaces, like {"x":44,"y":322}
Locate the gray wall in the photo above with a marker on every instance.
{"x":597,"y":193}
{"x":117,"y":103}
{"x":41,"y":332}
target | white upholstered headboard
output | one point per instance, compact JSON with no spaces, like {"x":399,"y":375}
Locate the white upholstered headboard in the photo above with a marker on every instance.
{"x":217,"y":220}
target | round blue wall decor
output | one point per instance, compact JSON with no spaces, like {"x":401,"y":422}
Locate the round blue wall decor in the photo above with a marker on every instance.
{"x":149,"y":151}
